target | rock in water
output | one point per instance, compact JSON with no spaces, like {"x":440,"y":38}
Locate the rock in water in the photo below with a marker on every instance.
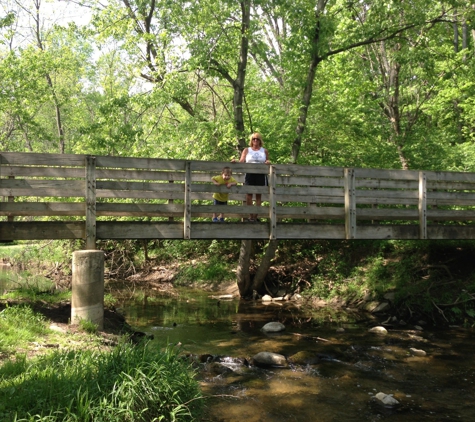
{"x":273,"y":327}
{"x":265,"y":359}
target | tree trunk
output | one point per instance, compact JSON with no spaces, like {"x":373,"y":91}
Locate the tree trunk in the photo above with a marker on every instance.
{"x":308,"y":89}
{"x":243,"y":276}
{"x":261,"y":273}
{"x":239,"y":82}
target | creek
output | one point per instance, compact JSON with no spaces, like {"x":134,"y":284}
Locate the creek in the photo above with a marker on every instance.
{"x":338,"y":366}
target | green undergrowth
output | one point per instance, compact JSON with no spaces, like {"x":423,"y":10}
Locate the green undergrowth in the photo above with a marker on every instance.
{"x":435,"y":279}
{"x":131,"y":383}
{"x":35,"y":255}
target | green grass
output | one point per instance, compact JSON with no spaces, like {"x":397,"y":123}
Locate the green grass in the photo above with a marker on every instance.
{"x":19,"y":325}
{"x":131,"y":383}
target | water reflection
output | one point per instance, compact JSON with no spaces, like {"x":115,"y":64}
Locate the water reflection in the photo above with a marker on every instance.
{"x":350,"y":369}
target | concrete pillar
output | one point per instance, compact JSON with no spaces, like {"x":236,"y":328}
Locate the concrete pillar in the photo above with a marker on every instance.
{"x":87,"y":301}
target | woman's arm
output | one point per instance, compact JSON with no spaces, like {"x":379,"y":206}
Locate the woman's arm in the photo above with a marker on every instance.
{"x":243,"y":156}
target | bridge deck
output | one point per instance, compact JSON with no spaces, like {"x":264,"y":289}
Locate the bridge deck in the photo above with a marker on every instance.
{"x":52,"y":196}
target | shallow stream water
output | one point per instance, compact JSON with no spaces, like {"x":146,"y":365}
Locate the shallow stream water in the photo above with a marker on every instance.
{"x":342,"y":370}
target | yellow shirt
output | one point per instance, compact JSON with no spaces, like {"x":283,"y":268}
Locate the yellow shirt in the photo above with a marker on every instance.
{"x":219,"y":196}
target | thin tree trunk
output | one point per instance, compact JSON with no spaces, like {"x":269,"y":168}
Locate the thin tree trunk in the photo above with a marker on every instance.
{"x":261,"y":273}
{"x":307,"y":92}
{"x":243,"y":276}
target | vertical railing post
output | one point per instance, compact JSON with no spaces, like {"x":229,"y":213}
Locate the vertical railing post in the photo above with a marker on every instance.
{"x":422,"y":205}
{"x":272,"y":204}
{"x":90,"y":202}
{"x":187,"y":216}
{"x":350,"y":204}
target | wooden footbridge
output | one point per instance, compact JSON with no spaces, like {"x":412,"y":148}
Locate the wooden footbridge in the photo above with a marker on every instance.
{"x":53,"y":196}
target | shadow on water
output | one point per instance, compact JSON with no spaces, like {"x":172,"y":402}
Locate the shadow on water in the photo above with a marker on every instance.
{"x":333,"y":374}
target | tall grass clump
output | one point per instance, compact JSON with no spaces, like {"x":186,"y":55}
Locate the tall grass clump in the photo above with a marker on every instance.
{"x":131,"y":383}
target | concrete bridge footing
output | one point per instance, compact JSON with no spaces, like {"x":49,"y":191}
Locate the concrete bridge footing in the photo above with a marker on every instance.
{"x":87,"y":300}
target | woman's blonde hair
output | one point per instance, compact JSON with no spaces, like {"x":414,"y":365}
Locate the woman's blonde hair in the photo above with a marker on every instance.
{"x":258,"y":136}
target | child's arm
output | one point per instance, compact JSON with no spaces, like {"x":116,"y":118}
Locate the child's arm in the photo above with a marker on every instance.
{"x":215,"y":181}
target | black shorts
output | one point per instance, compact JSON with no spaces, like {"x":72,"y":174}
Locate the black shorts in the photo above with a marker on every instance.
{"x":216,"y":202}
{"x":255,"y":179}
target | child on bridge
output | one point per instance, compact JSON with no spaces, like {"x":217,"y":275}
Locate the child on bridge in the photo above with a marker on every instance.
{"x":225,"y":178}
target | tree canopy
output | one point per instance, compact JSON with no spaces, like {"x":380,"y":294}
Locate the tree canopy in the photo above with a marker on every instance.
{"x":327,"y":82}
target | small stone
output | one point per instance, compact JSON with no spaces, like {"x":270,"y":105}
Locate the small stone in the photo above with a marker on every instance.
{"x":269,"y":359}
{"x":273,"y":327}
{"x":418,"y":352}
{"x":418,"y":328}
{"x":378,"y":330}
{"x":340,"y":330}
{"x":386,"y":399}
{"x":266,"y":298}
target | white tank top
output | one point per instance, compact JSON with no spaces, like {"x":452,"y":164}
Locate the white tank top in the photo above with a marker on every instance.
{"x":256,"y":156}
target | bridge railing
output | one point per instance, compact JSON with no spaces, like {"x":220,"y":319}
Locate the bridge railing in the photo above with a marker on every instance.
{"x":52,"y":196}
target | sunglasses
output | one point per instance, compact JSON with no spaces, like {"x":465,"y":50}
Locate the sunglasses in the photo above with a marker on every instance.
{"x":256,"y":139}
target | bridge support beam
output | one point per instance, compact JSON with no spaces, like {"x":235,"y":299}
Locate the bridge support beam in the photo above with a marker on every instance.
{"x":87,"y":300}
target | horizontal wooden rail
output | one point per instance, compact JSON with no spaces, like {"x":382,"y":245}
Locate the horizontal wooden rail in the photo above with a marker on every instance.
{"x":53,"y":196}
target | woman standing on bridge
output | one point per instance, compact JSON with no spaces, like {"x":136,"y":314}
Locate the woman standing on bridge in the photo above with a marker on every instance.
{"x":256,"y":153}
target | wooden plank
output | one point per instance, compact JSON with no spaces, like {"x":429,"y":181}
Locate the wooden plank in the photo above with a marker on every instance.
{"x":31,"y":184}
{"x":90,"y":195}
{"x":365,"y":194}
{"x":387,"y":214}
{"x":451,"y":186}
{"x":63,"y":172}
{"x":133,"y":174}
{"x":297,"y":170}
{"x":451,"y":232}
{"x":383,"y":231}
{"x":187,"y":207}
{"x":140,"y":186}
{"x":450,"y":176}
{"x":310,"y":181}
{"x":143,"y":195}
{"x":387,"y":174}
{"x":350,"y":204}
{"x":44,"y":192}
{"x":215,"y":167}
{"x":43,"y":208}
{"x":139,"y":210}
{"x":29,"y":158}
{"x":139,"y":230}
{"x":451,"y":215}
{"x":140,"y":163}
{"x":311,"y":231}
{"x":422,"y":206}
{"x":450,"y":198}
{"x":309,"y":191}
{"x":387,"y":184}
{"x":319,"y":199}
{"x":318,"y":213}
{"x":26,"y":230}
{"x":237,"y":230}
